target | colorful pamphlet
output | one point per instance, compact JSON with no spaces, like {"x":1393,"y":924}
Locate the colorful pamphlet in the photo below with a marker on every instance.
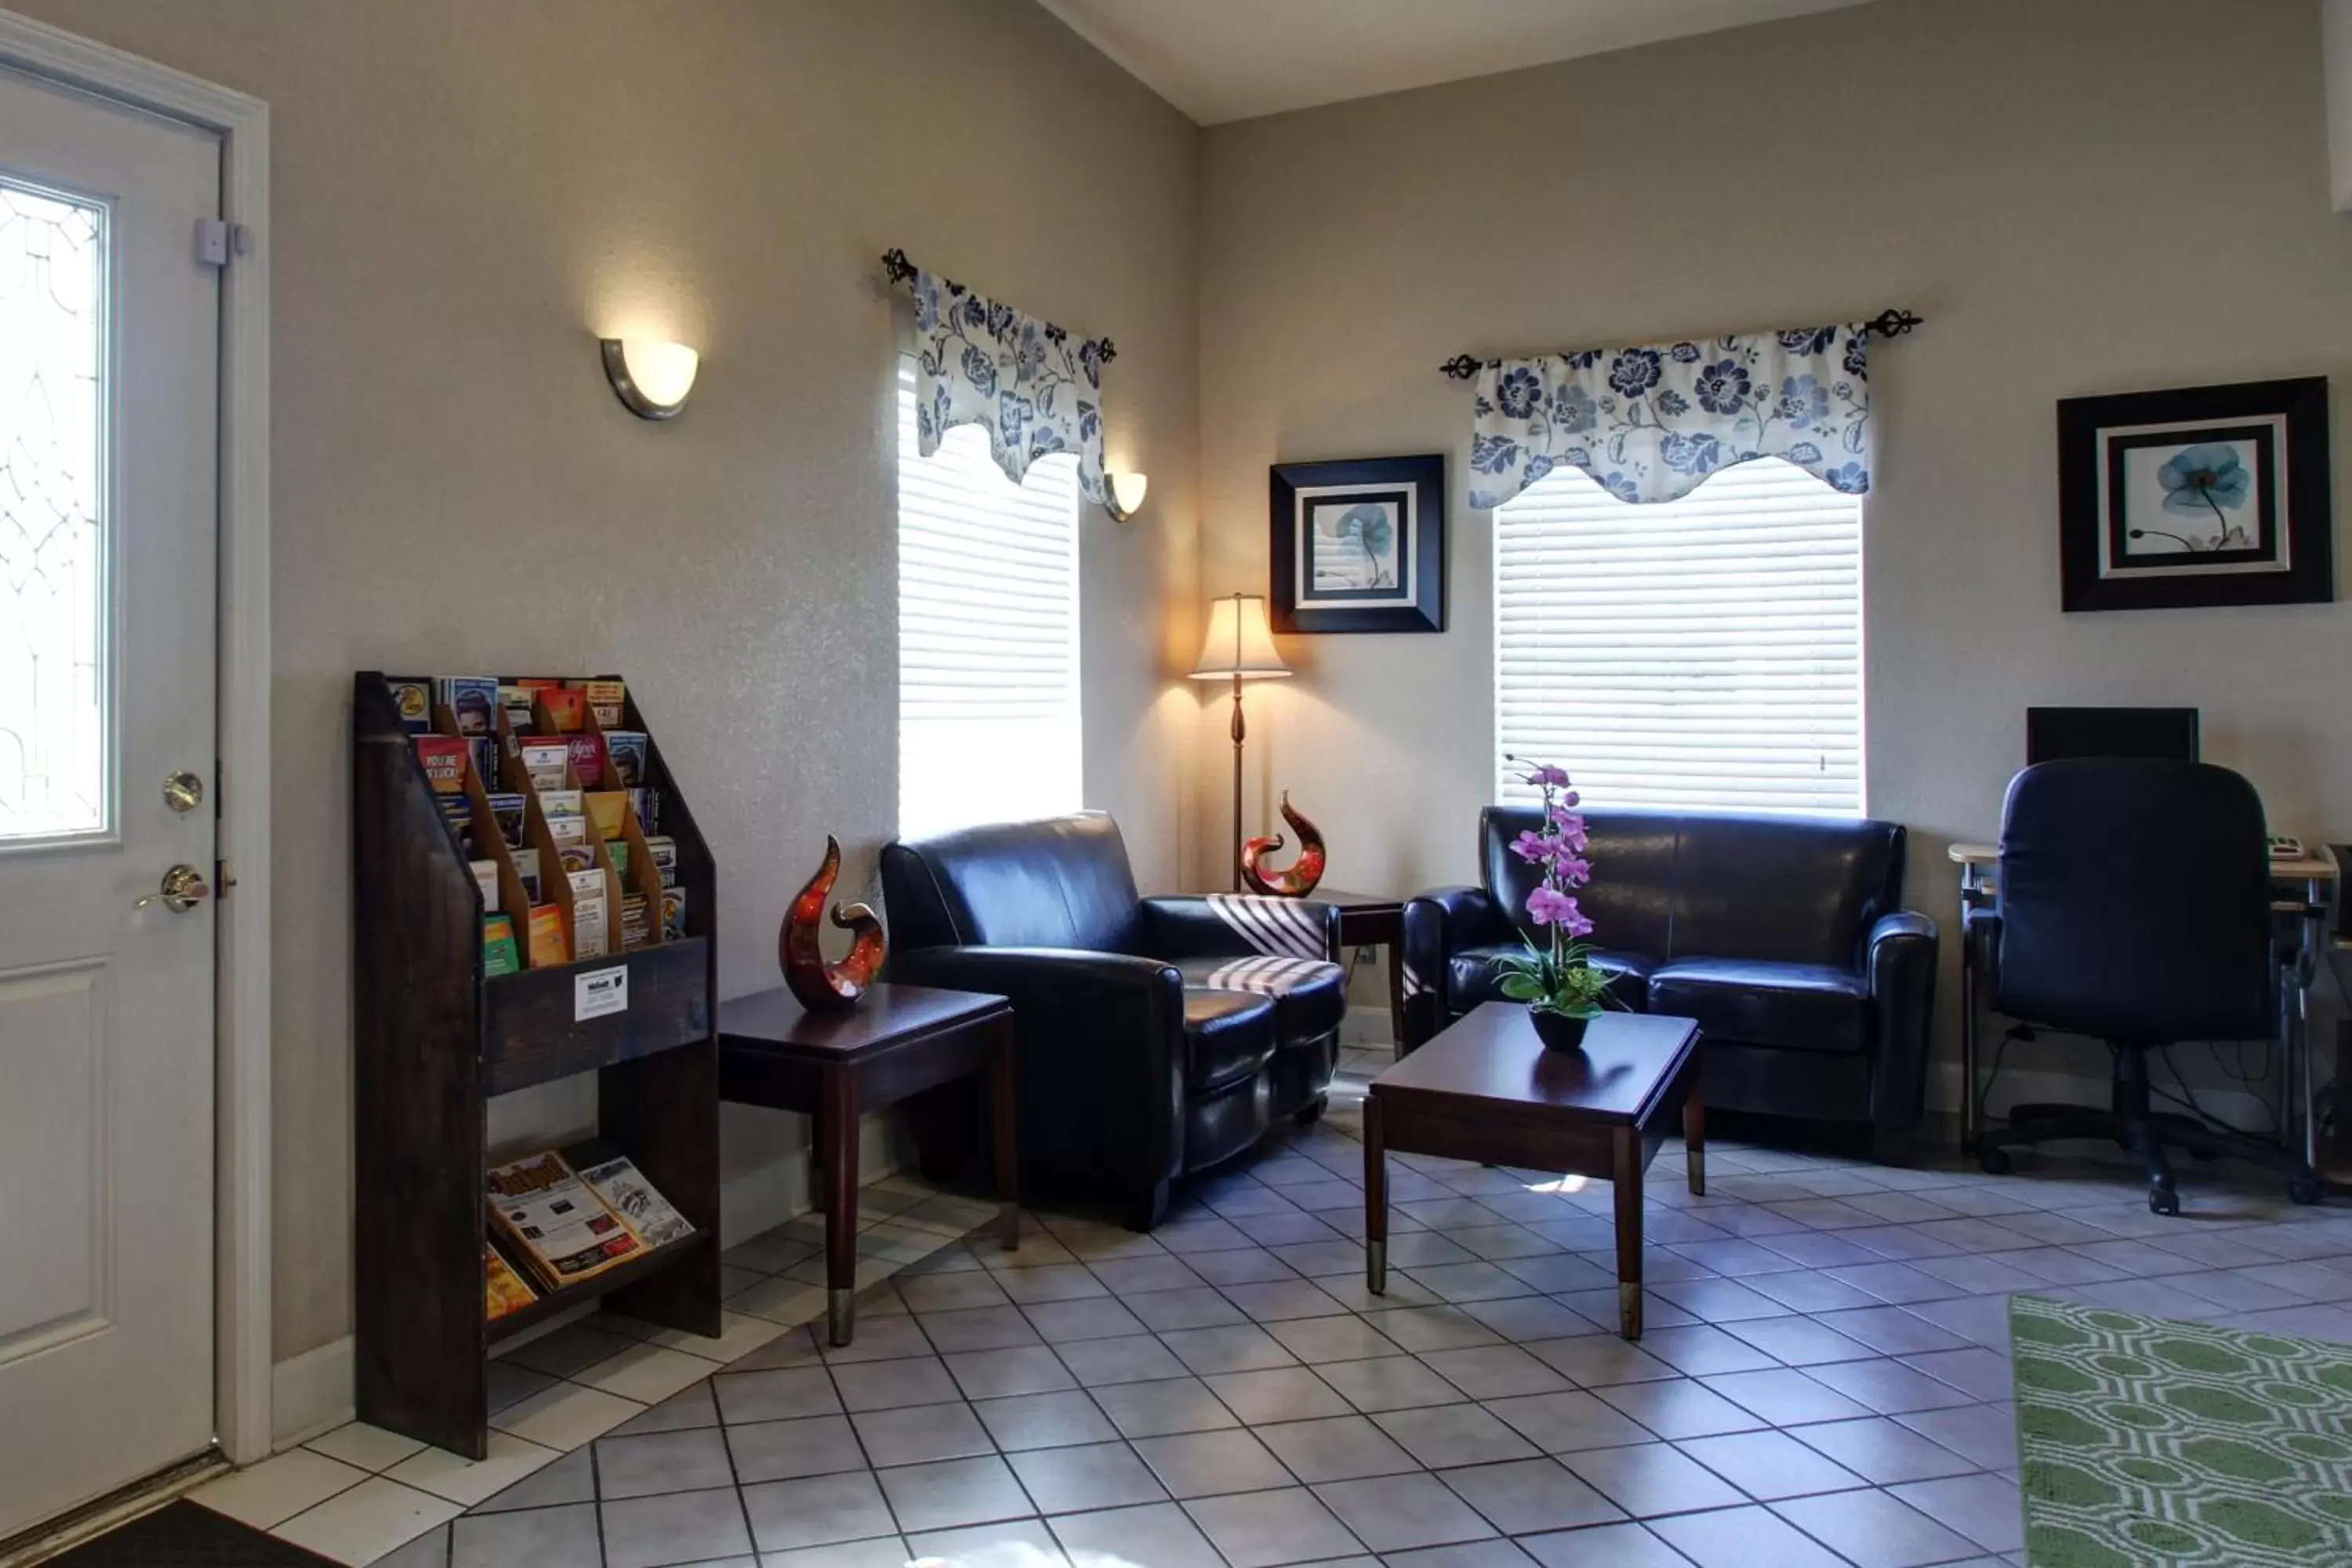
{"x":577,"y":856}
{"x":515,"y":701}
{"x":636,"y":922}
{"x":605,"y":699}
{"x":625,"y":1191}
{"x":458,"y":813}
{"x":527,"y":873}
{"x":608,"y":810}
{"x":413,"y":696}
{"x":506,"y":1290}
{"x":499,"y":954}
{"x":664,"y":853}
{"x":588,"y":939}
{"x":509,"y":812}
{"x":587,"y":759}
{"x":567,"y":708}
{"x":544,"y":762}
{"x":548,"y":948}
{"x":562,"y":802}
{"x":443,"y":757}
{"x":625,"y":749}
{"x":486,"y":877}
{"x":619,"y":848}
{"x":473,"y":700}
{"x":563,"y":1229}
{"x":484,"y":750}
{"x":673,"y":914}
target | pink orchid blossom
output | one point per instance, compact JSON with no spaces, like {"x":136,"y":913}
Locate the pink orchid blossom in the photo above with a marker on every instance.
{"x":1547,"y":906}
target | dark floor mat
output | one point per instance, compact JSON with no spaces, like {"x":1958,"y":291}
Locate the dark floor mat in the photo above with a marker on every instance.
{"x":184,"y":1535}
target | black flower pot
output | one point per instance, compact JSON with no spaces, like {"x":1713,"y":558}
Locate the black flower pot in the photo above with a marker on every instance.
{"x":1561,"y":1031}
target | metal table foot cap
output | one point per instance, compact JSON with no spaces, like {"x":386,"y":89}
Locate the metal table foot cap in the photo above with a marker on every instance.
{"x":840,"y":1315}
{"x":1629,"y":1310}
{"x":1696,"y":1160}
{"x":1008,"y":1225}
{"x":1376,"y":1267}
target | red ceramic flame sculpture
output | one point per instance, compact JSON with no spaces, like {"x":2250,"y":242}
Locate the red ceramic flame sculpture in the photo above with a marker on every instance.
{"x":1304,"y":873}
{"x":824,"y":987}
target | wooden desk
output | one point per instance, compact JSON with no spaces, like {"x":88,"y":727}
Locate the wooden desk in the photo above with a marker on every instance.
{"x":834,"y":1066}
{"x":1372,"y":919}
{"x":1485,"y":1088}
{"x":2315,"y":869}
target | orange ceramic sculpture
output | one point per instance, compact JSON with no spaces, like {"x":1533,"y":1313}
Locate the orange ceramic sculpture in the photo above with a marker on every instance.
{"x":1304,"y":873}
{"x":824,"y":987}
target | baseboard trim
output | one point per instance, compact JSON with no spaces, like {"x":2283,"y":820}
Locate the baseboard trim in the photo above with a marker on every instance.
{"x":310,"y":1392}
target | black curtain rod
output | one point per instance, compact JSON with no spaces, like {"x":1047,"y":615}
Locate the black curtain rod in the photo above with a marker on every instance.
{"x":897,"y":269}
{"x":1889,"y":324}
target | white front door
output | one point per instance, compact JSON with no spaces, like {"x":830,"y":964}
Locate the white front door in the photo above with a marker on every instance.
{"x":108,"y":435}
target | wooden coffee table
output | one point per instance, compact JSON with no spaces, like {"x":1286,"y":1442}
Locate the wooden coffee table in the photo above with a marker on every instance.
{"x":1485,"y":1088}
{"x":834,"y":1066}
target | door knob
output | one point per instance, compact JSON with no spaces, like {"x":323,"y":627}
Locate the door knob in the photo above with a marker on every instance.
{"x":183,"y":791}
{"x":182,"y":890}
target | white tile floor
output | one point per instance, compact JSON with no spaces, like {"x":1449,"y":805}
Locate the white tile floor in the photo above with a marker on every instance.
{"x":1824,"y":1381}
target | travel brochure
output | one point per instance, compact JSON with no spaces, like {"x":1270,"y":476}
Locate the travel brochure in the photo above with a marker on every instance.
{"x":548,"y":798}
{"x":563,"y":1223}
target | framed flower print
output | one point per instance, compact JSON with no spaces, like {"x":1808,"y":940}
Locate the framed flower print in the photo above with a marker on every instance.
{"x":2211,"y":495}
{"x":1359,"y":545}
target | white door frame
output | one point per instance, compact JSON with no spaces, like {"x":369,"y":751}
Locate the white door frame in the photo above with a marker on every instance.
{"x":241,"y":976}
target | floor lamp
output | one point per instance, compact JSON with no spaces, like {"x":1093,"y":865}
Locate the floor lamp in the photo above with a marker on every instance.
{"x":1240,"y":645}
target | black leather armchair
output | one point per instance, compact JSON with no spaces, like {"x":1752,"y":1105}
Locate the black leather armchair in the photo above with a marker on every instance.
{"x":1781,"y":936}
{"x":1154,"y":1036}
{"x":2135,"y":907}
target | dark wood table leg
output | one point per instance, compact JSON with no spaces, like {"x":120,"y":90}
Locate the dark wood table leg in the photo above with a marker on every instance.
{"x":1626,"y":1180}
{"x":1396,"y":996}
{"x":1376,"y":1201}
{"x":1008,"y":1176}
{"x":1695,"y":1134}
{"x":839,"y":1138}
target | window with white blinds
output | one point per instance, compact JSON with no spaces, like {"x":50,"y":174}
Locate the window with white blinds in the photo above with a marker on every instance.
{"x":988,"y":633}
{"x":1698,"y":654}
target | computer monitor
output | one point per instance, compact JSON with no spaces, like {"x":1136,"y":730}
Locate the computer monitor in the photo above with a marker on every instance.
{"x":2162,"y":733}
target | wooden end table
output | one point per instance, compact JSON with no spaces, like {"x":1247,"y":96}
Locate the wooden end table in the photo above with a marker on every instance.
{"x":1485,"y":1088}
{"x":1373,"y":920}
{"x":833,"y":1068}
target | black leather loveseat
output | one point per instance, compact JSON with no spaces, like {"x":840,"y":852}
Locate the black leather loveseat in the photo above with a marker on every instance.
{"x":1782,"y":936}
{"x":1154,"y":1036}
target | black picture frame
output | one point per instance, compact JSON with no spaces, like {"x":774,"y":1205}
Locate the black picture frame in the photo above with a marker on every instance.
{"x":2272,"y":537}
{"x":1392,"y":510}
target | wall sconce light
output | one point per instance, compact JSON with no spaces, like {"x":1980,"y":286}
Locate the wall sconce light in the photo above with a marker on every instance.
{"x":1126,"y":497}
{"x":651,"y":377}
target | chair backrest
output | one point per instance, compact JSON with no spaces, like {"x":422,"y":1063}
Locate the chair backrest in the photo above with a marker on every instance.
{"x":1063,"y":882}
{"x":1797,"y":890}
{"x":2135,"y":902}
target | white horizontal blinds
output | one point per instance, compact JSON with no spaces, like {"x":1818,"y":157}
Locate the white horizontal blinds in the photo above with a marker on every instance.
{"x":1701,"y":654}
{"x":988,"y":633}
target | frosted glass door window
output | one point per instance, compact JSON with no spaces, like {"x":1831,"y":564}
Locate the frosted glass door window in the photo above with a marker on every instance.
{"x":53,"y":744}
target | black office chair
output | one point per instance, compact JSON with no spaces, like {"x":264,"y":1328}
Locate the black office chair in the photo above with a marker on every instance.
{"x":2135,"y":907}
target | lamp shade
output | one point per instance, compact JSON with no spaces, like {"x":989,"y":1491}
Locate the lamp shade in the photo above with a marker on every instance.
{"x":1239,"y":641}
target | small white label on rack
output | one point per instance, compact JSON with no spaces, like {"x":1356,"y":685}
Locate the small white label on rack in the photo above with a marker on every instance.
{"x":599,"y":992}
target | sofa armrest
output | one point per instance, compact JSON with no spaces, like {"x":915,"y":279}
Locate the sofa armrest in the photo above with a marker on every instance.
{"x":1438,"y":924}
{"x":1900,"y":966}
{"x":1239,"y":925}
{"x":1098,"y":1048}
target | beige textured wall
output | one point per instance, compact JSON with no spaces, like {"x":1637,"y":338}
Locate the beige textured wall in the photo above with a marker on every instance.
{"x":464,"y":191}
{"x":2103,"y":196}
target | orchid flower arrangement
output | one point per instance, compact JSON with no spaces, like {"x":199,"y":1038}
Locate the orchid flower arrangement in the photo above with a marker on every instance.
{"x":1556,"y":976}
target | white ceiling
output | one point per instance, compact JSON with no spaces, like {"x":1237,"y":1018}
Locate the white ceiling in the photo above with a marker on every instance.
{"x":1232,"y":59}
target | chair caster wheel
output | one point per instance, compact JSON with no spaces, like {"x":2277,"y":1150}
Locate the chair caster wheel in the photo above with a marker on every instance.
{"x":2304,"y":1192}
{"x":1994,"y":1162}
{"x":2163,"y":1200}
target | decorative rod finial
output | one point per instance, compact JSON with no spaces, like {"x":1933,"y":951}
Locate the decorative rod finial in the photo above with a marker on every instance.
{"x":1894,"y":323}
{"x":1463,"y":367}
{"x":896,"y":267}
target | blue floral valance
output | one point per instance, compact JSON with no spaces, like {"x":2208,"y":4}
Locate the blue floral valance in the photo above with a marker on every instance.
{"x":1036,"y":390}
{"x":1652,"y":424}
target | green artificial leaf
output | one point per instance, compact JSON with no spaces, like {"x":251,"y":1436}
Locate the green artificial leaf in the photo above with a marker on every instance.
{"x":1521,"y":988}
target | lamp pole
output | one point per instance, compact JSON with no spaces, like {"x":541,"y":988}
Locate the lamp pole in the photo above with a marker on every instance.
{"x":1239,"y":730}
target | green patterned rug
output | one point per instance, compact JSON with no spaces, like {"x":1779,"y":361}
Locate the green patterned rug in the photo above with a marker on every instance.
{"x":2147,"y":1444}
